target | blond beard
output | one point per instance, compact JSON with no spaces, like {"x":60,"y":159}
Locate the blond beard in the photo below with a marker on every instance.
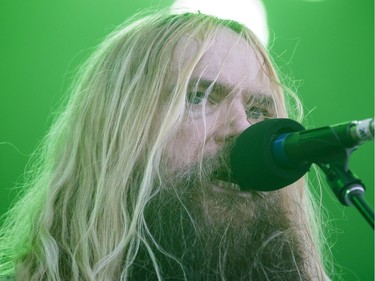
{"x":201,"y":234}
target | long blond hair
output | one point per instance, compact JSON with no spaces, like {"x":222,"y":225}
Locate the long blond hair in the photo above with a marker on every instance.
{"x":81,"y":215}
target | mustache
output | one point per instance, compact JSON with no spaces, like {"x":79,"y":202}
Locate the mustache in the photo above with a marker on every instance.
{"x":203,"y":171}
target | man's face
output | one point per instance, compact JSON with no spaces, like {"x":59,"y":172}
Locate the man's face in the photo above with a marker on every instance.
{"x":210,"y":230}
{"x":228,"y":92}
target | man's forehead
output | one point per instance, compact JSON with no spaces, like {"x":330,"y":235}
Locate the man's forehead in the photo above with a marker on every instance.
{"x":230,"y":60}
{"x":224,"y":39}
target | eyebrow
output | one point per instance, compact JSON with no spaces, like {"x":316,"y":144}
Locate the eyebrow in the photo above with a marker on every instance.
{"x":204,"y":83}
{"x":225,"y":90}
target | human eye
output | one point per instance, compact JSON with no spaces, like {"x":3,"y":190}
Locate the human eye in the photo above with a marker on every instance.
{"x":200,"y":97}
{"x":196,"y":98}
{"x":257,"y":113}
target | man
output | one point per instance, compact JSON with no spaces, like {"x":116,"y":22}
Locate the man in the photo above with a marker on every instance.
{"x":133,"y":182}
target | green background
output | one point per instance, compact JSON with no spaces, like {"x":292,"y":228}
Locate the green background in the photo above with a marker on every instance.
{"x":326,"y":47}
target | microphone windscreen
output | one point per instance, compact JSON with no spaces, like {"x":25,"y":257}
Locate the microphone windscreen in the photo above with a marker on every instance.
{"x":253,"y":166}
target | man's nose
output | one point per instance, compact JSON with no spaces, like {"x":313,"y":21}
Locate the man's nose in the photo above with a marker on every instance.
{"x":235,"y":121}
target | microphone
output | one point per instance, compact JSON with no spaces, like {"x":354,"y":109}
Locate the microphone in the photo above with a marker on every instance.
{"x":275,"y":153}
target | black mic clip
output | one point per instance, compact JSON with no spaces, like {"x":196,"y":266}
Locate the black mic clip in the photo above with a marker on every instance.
{"x":345,"y":185}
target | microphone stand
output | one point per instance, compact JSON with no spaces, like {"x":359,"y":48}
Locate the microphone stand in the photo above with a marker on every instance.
{"x":346,"y":186}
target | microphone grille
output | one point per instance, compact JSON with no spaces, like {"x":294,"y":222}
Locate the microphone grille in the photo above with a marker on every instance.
{"x":252,"y":164}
